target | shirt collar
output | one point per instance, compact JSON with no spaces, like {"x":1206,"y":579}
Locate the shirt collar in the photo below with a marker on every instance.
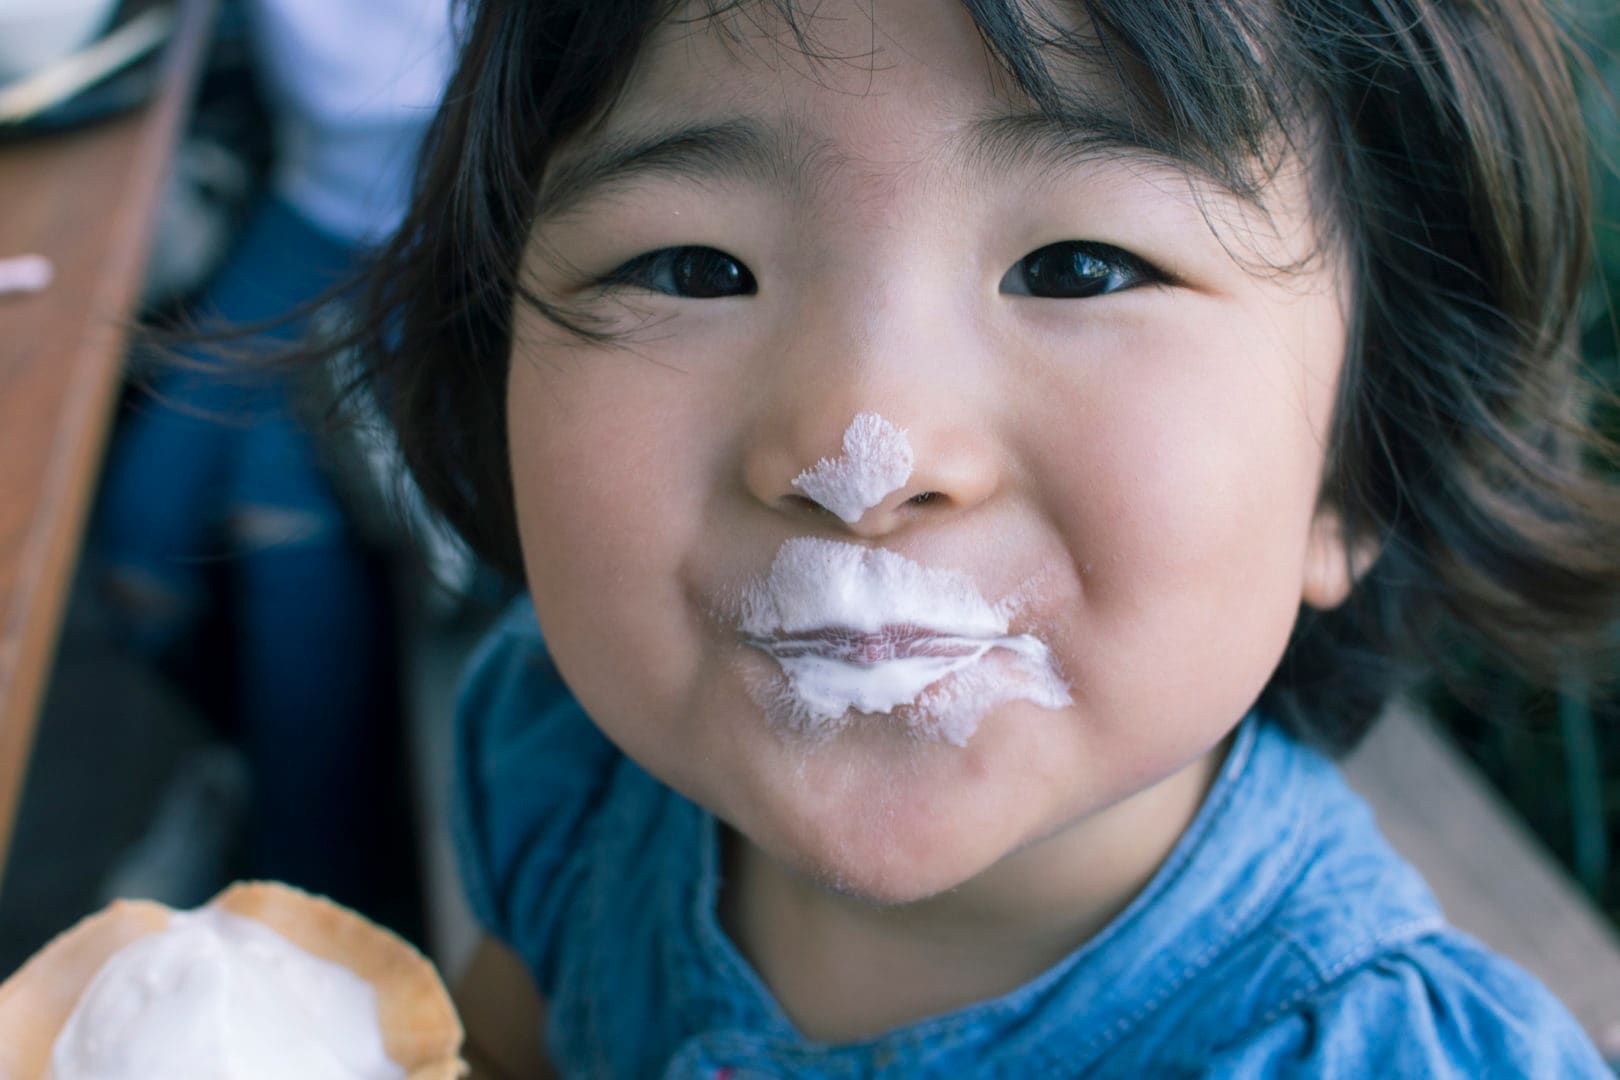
{"x":1236,"y":859}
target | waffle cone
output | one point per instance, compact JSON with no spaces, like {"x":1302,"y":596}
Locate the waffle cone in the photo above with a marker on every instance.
{"x":420,"y":1029}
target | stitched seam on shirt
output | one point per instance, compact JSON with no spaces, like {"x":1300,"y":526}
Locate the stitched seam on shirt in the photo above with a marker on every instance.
{"x":1242,"y":924}
{"x":509,"y":634}
{"x":1354,"y":960}
{"x":592,"y":896}
{"x":474,"y":828}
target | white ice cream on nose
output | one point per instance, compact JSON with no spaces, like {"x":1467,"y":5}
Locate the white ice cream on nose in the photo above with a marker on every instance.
{"x":945,"y":633}
{"x":876,"y":463}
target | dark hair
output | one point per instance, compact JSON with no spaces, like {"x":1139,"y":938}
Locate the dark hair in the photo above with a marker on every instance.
{"x":1449,"y":170}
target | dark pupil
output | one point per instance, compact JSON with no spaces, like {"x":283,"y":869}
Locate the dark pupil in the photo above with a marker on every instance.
{"x":706,"y":272}
{"x":1066,"y":271}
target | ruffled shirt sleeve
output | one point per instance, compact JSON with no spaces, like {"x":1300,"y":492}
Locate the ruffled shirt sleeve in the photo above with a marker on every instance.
{"x":1441,"y":1006}
{"x":530,"y":769}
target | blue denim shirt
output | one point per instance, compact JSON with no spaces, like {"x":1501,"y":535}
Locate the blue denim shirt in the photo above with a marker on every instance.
{"x":1282,"y":937}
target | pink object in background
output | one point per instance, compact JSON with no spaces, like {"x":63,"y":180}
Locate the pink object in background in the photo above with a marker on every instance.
{"x":25,"y":274}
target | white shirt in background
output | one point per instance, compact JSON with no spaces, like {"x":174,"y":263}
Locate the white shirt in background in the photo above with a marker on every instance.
{"x":352,"y":87}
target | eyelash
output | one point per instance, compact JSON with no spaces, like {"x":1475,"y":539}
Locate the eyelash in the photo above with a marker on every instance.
{"x":1096,"y":270}
{"x":1076,"y":270}
{"x":648,"y":271}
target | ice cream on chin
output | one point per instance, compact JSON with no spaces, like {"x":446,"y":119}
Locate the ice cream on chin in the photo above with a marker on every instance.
{"x":222,"y":996}
{"x":265,"y":981}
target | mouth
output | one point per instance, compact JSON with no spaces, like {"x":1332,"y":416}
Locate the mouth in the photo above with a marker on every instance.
{"x":859,"y":630}
{"x":863,"y":648}
{"x":832,"y":671}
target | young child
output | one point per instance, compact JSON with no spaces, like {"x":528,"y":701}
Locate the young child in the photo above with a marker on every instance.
{"x":969,"y":461}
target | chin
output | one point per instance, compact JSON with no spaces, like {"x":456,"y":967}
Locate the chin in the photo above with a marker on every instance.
{"x":875,"y":812}
{"x":885,"y":882}
{"x":901,"y":844}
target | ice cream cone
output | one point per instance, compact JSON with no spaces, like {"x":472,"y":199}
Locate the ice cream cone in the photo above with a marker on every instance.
{"x":420,"y":1029}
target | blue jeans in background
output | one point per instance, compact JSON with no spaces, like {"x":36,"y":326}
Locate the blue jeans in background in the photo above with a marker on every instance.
{"x":216,"y":518}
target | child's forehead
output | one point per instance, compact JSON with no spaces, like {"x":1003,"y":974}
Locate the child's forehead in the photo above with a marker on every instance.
{"x":846,"y":53}
{"x":937,"y":65}
{"x":792,"y":92}
{"x":782,"y":96}
{"x":855,"y":103}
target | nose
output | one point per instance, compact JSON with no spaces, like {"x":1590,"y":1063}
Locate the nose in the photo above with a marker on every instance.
{"x":872,"y":433}
{"x":871,"y":478}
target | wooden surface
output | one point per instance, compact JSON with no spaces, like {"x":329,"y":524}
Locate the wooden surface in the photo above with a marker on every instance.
{"x":1493,"y":877}
{"x":86,"y":200}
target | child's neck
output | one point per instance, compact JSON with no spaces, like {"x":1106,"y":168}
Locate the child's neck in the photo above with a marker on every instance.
{"x":844,"y":970}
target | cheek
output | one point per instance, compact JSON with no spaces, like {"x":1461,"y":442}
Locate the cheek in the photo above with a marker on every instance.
{"x":1184,"y":489}
{"x":602,"y":533}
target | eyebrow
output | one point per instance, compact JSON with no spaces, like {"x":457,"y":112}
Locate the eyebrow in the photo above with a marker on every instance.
{"x":786,"y":159}
{"x":738,"y":149}
{"x":1049,"y":145}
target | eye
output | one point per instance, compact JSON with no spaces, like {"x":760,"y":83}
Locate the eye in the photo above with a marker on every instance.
{"x":1075,"y":270}
{"x":696,"y":272}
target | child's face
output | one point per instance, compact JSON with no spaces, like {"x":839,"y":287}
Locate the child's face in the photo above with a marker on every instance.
{"x":1129,"y":435}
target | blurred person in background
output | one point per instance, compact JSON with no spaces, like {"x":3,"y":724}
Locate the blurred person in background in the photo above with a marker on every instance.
{"x":220,"y":537}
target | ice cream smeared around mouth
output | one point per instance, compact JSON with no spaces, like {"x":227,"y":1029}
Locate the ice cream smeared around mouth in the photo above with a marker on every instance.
{"x":876,"y":462}
{"x":219,"y":995}
{"x":864,"y":630}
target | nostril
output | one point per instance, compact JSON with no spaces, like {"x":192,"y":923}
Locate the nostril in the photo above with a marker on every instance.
{"x":804,"y":503}
{"x":800,"y":502}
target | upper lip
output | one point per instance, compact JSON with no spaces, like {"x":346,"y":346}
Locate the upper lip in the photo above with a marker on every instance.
{"x":869,"y":647}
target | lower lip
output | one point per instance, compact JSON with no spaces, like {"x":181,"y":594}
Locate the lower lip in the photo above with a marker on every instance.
{"x":864,"y":649}
{"x":856,"y":630}
{"x":827,"y":685}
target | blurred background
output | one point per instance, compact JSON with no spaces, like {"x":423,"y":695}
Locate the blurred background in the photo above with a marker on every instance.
{"x":1556,"y":757}
{"x":257,"y":666}
{"x":258,"y":660}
